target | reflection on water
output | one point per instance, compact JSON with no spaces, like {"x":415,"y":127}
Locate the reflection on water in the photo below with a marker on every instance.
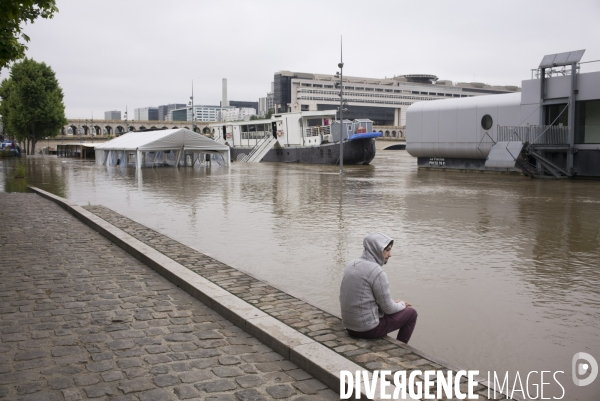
{"x":503,"y":270}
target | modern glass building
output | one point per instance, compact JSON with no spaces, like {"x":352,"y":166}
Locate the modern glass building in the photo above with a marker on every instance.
{"x":146,"y":114}
{"x":163,"y":110}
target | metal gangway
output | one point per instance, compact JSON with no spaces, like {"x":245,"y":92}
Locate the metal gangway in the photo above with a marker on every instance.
{"x":260,"y":150}
{"x":519,"y":146}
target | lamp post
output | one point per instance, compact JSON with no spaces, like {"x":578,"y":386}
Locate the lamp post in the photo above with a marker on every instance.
{"x":126,"y":126}
{"x":342,"y":102}
{"x":191,"y":103}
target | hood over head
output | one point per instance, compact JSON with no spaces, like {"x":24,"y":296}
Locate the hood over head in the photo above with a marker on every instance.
{"x":374,"y":244}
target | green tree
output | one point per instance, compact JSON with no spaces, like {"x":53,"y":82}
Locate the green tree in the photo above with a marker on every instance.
{"x":13,"y":13}
{"x":32,"y":103}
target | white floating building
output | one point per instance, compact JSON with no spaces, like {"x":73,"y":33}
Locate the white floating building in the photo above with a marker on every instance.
{"x":552,"y":127}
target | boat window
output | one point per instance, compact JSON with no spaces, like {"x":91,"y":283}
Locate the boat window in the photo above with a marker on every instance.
{"x":313,"y":122}
{"x":486,"y":122}
{"x":244,"y":128}
{"x":252,"y":128}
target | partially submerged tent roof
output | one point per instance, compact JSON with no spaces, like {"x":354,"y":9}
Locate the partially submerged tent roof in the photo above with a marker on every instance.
{"x":163,"y":140}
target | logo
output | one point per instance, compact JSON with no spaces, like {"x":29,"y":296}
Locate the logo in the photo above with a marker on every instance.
{"x":580,"y":368}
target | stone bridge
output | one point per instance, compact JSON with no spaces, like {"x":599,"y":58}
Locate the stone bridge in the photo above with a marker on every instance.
{"x":88,"y":127}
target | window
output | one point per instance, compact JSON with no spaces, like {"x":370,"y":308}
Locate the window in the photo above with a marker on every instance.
{"x":557,"y":115}
{"x":486,"y":122}
{"x":587,"y":122}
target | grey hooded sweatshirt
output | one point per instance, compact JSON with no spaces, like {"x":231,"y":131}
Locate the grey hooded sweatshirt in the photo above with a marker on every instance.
{"x":364,"y":293}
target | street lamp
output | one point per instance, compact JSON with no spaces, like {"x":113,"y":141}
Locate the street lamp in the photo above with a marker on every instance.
{"x":191,"y":103}
{"x":126,"y":125}
{"x":340,"y":74}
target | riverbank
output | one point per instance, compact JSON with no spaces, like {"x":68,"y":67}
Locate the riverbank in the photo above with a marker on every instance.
{"x":309,"y":333}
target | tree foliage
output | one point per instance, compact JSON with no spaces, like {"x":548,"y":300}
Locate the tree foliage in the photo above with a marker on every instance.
{"x":13,"y":13}
{"x":31,"y":102}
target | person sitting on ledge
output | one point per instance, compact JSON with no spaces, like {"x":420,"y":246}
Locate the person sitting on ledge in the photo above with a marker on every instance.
{"x":368,"y":310}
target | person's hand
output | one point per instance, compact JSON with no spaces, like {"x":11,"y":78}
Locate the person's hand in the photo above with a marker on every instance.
{"x":405,"y":303}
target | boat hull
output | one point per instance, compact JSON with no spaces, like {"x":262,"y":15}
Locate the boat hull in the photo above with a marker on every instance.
{"x":359,"y":151}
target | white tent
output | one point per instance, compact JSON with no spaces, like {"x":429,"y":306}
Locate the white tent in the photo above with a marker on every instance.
{"x":151,"y":147}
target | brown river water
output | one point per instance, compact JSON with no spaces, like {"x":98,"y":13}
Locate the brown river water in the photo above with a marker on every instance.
{"x":503,"y":270}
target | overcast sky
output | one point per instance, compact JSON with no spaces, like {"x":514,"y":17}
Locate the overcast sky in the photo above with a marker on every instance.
{"x":110,"y":54}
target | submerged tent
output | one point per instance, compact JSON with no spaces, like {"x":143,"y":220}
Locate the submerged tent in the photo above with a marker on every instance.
{"x":159,"y":147}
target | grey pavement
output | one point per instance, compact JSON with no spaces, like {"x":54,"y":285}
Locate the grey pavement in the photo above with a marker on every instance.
{"x":82,"y":319}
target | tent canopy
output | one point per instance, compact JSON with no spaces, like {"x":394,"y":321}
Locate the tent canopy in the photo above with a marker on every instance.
{"x":168,"y":139}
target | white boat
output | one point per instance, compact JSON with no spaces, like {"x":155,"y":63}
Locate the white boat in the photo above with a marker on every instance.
{"x":303,"y":137}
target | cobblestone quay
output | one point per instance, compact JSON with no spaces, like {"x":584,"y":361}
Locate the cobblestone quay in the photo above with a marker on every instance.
{"x":82,"y":319}
{"x":386,"y":353}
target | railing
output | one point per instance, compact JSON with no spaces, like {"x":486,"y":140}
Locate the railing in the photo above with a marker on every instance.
{"x":258,"y":146}
{"x":317,"y":131}
{"x":586,"y":66}
{"x":255,"y":134}
{"x":534,"y":134}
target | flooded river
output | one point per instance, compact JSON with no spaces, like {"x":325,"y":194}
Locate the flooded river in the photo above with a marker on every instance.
{"x":503,"y":270}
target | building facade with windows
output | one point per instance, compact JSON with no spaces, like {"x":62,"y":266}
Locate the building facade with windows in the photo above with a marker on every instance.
{"x":177,"y":115}
{"x":146,"y":114}
{"x":236,"y":114}
{"x":112,"y":115}
{"x":382,"y":100}
{"x":202,"y":113}
{"x":163,"y":110}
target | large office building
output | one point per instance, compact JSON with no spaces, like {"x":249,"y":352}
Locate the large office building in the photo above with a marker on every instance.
{"x":236,"y":114}
{"x":146,"y":114}
{"x":163,"y":111}
{"x":112,"y":115}
{"x":202,"y":113}
{"x":382,"y":100}
{"x":177,"y":115}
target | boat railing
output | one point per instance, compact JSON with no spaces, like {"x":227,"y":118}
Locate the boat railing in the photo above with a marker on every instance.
{"x":318,"y":131}
{"x":534,"y":134}
{"x":255,"y":134}
{"x":258,"y":146}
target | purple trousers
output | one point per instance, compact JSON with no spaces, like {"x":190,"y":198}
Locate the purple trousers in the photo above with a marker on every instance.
{"x":405,"y":321}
